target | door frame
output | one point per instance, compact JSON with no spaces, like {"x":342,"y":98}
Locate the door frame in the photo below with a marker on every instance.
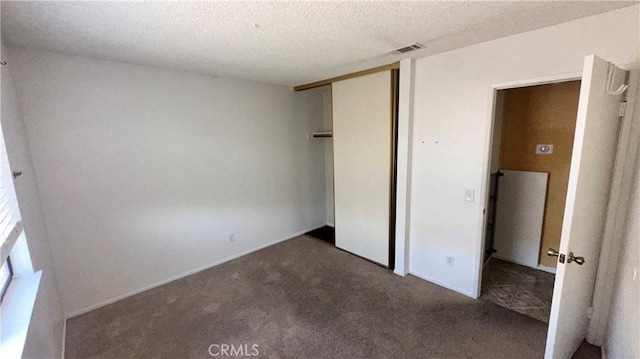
{"x":486,"y":166}
{"x":624,"y":152}
{"x":393,"y":179}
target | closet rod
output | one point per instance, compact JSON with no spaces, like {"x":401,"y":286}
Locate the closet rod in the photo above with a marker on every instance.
{"x":322,"y":134}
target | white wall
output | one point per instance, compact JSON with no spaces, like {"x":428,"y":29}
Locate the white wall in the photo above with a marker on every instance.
{"x":144,"y":173}
{"x":622,"y":336}
{"x":44,"y":338}
{"x":452,"y":126}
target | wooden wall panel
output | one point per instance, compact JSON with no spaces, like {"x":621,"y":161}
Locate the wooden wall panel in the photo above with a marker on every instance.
{"x":543,"y":114}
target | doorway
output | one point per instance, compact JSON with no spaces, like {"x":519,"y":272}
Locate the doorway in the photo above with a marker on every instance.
{"x":533,"y":136}
{"x":598,"y":162}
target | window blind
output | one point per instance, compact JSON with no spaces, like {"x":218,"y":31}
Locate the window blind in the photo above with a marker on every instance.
{"x":10,"y":225}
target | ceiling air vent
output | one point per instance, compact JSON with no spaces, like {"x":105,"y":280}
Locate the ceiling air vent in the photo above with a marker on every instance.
{"x":409,"y":48}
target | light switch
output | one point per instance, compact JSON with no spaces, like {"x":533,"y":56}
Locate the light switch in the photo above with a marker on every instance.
{"x":470,"y":195}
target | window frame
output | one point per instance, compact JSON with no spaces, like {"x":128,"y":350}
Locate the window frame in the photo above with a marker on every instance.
{"x":7,"y":283}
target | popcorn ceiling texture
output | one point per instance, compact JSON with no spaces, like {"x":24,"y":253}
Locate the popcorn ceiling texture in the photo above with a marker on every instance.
{"x":293,"y":42}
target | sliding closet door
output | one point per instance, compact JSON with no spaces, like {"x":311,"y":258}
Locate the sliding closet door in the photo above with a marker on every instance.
{"x":362,"y":133}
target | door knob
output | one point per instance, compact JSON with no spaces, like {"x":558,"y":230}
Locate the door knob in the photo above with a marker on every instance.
{"x":553,"y":253}
{"x":578,"y":260}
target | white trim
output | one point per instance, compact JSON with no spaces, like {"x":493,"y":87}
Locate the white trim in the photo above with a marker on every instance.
{"x":399,"y":272}
{"x":616,"y":214}
{"x":570,"y":76}
{"x":546,"y":268}
{"x":17,"y":310}
{"x":332,"y":225}
{"x":444,"y":285}
{"x":64,"y":338}
{"x":10,"y":241}
{"x":538,"y":267}
{"x":478,"y":266}
{"x":163,"y":282}
{"x":403,"y":164}
{"x":484,"y":186}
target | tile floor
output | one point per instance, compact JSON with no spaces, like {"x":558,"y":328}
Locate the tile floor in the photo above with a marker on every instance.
{"x":519,"y":288}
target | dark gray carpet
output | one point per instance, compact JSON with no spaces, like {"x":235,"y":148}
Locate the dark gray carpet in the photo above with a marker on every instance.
{"x":304,"y":299}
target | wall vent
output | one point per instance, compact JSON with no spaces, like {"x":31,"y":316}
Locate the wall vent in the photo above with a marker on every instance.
{"x":409,"y":48}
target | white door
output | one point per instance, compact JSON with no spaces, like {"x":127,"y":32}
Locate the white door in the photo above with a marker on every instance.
{"x":586,"y":206}
{"x":362,"y":164}
{"x":519,"y":216}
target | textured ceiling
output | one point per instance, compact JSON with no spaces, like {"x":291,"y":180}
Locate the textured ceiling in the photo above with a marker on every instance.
{"x":279,"y":42}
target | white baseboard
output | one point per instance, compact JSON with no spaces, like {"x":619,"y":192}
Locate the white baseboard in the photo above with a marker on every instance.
{"x":163,"y":282}
{"x":445,"y":285}
{"x":332,"y":225}
{"x":400,"y":272}
{"x":513,"y":261}
{"x":538,"y":267}
{"x":547,"y":269}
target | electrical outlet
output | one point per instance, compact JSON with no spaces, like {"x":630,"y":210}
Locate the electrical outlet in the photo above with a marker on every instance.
{"x":232,"y":238}
{"x":450,"y":261}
